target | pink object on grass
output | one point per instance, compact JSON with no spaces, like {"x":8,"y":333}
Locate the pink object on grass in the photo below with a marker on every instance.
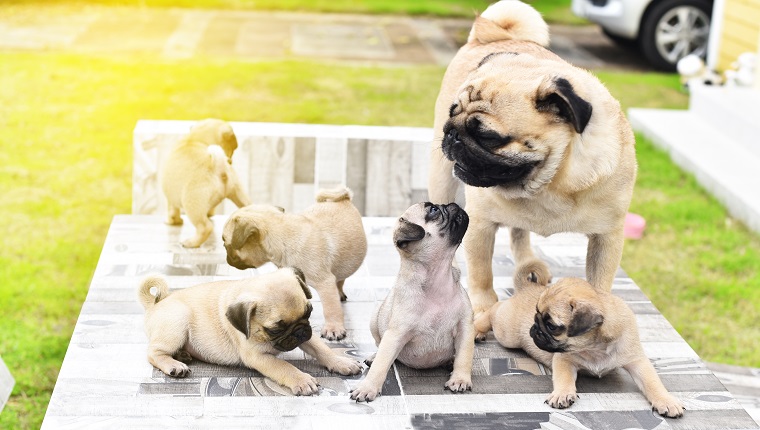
{"x":634,"y":226}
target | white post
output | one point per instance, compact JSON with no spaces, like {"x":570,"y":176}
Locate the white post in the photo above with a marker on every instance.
{"x":6,"y":384}
{"x":716,"y":27}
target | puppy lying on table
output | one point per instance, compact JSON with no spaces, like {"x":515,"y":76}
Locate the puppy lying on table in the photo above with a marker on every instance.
{"x":327,"y":241}
{"x":426,"y":319}
{"x":198,"y":175}
{"x":573,"y":327}
{"x":246,"y":322}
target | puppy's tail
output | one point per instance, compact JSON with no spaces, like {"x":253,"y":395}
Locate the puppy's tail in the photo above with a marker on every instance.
{"x":144,"y":295}
{"x":532,"y":272}
{"x":509,"y":20}
{"x":334,"y":195}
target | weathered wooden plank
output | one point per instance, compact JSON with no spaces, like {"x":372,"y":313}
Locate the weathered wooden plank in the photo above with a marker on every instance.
{"x":271,"y":175}
{"x":388,"y":178}
{"x":330,"y":164}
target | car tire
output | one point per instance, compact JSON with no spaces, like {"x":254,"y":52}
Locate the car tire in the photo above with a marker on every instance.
{"x":664,"y":39}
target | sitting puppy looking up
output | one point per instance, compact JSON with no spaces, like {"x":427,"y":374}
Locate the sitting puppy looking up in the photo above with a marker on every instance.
{"x":426,"y":319}
{"x":573,"y":327}
{"x":198,"y":175}
{"x":243,"y":322}
{"x":326,"y":241}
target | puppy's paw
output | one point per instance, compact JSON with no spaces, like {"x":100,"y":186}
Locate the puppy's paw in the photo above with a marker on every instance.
{"x":364,"y":392}
{"x":177,"y":370}
{"x":345,"y":366}
{"x":668,"y":407}
{"x":304,"y":385}
{"x":459,"y":384}
{"x":183,"y":356}
{"x":190,"y":243}
{"x":368,"y":361}
{"x":480,"y":337}
{"x":561,"y":400}
{"x":333,"y":331}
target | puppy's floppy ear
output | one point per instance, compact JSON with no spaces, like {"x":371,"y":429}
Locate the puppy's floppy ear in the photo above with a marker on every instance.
{"x":243,"y":231}
{"x":585,"y":318}
{"x":239,"y":315}
{"x":557,"y":96}
{"x":302,"y":280}
{"x":407,"y":232}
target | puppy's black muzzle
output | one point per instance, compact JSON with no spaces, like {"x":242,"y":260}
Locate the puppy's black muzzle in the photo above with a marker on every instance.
{"x":453,"y":219}
{"x":297,"y":335}
{"x":544,"y":340}
{"x":475,"y":165}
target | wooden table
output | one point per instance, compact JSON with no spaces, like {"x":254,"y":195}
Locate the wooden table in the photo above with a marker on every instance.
{"x":107,"y":382}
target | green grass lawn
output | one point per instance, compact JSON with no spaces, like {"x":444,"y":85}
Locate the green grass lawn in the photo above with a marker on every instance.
{"x":554,"y":11}
{"x":66,"y":127}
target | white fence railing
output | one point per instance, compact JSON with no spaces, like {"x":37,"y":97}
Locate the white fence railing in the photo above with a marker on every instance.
{"x":284,"y":164}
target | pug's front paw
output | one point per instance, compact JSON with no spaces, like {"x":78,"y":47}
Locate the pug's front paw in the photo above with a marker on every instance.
{"x":332,"y":331}
{"x":459,"y":384}
{"x":668,"y":407}
{"x":561,"y":400}
{"x":304,"y":385}
{"x":345,"y":366}
{"x":365,"y":392}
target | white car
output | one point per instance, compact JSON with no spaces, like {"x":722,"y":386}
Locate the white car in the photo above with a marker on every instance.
{"x":664,"y":30}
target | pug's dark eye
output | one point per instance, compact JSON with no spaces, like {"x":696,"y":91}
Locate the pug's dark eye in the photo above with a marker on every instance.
{"x":550,"y":326}
{"x":433,"y":210}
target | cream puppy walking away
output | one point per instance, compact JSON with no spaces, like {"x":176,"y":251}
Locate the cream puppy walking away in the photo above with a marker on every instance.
{"x":198,"y":175}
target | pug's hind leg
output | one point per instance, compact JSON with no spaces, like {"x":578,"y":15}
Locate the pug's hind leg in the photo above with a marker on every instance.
{"x":165,"y":344}
{"x":519,"y":243}
{"x":172,"y":215}
{"x":343,"y":296}
{"x":333,"y":328}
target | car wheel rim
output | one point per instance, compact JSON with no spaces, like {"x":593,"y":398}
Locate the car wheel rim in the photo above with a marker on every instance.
{"x":682,"y":31}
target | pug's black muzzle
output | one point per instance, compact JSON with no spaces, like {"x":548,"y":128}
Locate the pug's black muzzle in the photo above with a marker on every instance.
{"x":477,"y":166}
{"x":296,"y":335}
{"x":453,"y":220}
{"x":544,"y":340}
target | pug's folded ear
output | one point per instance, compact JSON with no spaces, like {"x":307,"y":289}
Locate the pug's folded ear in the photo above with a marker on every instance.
{"x":408,"y":232}
{"x":557,"y":96}
{"x":585,"y":318}
{"x":242,"y":231}
{"x":239,"y":315}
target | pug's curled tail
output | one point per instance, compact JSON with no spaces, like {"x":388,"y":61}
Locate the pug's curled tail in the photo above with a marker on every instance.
{"x":532,"y":272}
{"x":509,"y":20}
{"x":144,"y":295}
{"x":334,"y":195}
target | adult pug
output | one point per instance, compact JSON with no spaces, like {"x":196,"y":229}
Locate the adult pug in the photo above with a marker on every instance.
{"x":574,"y":327}
{"x":246,"y":322}
{"x":198,"y":175}
{"x":426,"y":319}
{"x":541,"y":146}
{"x":327,"y":241}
